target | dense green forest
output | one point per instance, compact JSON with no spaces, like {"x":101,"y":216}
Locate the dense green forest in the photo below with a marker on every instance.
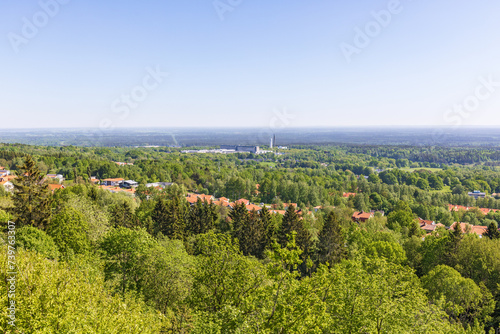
{"x":92,"y":261}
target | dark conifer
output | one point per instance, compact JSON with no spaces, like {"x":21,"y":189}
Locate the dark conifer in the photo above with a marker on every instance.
{"x":169,"y":217}
{"x":32,"y":198}
{"x":492,"y":231}
{"x":239,"y":217}
{"x":290,"y":223}
{"x":331,"y":241}
{"x":269,"y":228}
{"x":122,"y":215}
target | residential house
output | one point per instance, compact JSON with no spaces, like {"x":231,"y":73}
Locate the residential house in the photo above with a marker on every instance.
{"x":428,"y":225}
{"x":317,"y":208}
{"x":112,"y":182}
{"x":7,"y":178}
{"x":115,"y":189}
{"x":53,"y":187}
{"x":467,"y":228}
{"x":285,"y":205}
{"x":485,"y":211}
{"x":360,"y":216}
{"x":161,"y":185}
{"x":193,"y":198}
{"x":129,"y":184}
{"x":242,"y":200}
{"x":251,"y":207}
{"x":477,"y":194}
{"x":57,"y":177}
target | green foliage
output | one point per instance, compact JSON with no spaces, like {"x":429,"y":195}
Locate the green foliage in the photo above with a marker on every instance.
{"x":225,"y":285}
{"x":221,"y":287}
{"x":31,"y":238}
{"x":53,"y":297}
{"x":123,"y":251}
{"x":166,"y":279}
{"x":69,"y":230}
{"x":379,"y":297}
{"x":390,"y":251}
{"x":401,"y":221}
{"x":4,"y":217}
{"x":95,"y":216}
{"x":463,"y":299}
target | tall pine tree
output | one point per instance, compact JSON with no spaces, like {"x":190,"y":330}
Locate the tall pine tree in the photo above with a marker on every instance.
{"x":331,"y":246}
{"x":195,"y":218}
{"x":453,"y":242}
{"x":293,"y":222}
{"x":239,"y":218}
{"x":32,"y":198}
{"x":289,"y":223}
{"x":253,"y":235}
{"x":169,"y":217}
{"x":123,"y":215}
{"x":269,"y":228}
{"x":202,"y":217}
{"x":492,"y":231}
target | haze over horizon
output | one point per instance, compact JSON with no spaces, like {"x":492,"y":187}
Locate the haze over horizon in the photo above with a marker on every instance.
{"x":234,"y":63}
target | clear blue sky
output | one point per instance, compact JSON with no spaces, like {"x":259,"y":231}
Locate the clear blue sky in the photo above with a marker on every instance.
{"x":262,"y":57}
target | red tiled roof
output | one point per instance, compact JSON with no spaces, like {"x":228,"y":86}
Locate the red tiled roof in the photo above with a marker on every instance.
{"x":251,"y":207}
{"x":425,"y":222}
{"x":479,"y":230}
{"x":56,"y":186}
{"x":193,"y":198}
{"x":7,"y":178}
{"x":117,"y":189}
{"x":362,"y":215}
{"x":485,"y":211}
{"x":348,"y":194}
{"x":430,"y":228}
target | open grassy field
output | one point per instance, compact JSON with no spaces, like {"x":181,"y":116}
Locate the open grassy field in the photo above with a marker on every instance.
{"x":446,"y":189}
{"x":408,"y":169}
{"x":268,"y":164}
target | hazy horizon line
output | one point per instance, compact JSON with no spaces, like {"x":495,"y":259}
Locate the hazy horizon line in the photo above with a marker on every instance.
{"x":449,"y":127}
